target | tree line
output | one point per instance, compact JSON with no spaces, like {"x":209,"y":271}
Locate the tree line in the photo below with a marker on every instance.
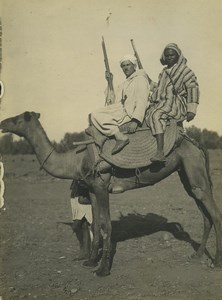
{"x":209,"y":139}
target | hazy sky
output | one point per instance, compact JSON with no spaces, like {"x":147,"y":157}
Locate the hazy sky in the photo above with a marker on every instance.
{"x":53,"y":62}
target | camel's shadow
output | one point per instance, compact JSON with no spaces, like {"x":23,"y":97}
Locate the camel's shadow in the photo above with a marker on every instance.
{"x":135,"y":225}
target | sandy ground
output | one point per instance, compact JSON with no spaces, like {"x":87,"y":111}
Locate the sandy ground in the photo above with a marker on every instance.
{"x":156,"y":228}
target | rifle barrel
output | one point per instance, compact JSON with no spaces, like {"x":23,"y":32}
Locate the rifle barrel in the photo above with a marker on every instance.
{"x":136,"y":55}
{"x":138,"y":60}
{"x":110,"y":83}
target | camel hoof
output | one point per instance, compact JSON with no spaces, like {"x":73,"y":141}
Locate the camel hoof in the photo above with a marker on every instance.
{"x":90,"y":263}
{"x":102,"y":272}
{"x":216,"y":264}
{"x":195,"y":256}
{"x":81,"y":257}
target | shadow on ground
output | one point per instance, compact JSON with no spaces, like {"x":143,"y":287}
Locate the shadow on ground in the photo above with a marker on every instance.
{"x":135,"y":225}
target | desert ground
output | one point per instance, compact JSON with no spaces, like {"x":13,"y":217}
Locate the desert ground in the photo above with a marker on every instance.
{"x":157,"y":229}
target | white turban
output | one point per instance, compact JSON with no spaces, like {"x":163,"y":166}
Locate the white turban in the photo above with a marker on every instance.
{"x":129,"y":57}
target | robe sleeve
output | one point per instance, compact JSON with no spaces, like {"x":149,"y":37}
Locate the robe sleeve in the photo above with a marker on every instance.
{"x":141,"y":94}
{"x":193,"y":94}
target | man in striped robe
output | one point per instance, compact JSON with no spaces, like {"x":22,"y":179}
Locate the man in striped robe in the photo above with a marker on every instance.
{"x":175,"y":96}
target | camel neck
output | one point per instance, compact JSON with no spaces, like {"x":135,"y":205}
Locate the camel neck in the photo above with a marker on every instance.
{"x":60,"y":165}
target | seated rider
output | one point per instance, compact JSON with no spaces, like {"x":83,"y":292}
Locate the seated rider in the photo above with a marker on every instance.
{"x":131,"y":102}
{"x":176,"y":96}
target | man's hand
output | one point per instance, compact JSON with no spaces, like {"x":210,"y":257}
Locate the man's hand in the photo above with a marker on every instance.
{"x":131,"y":126}
{"x":190,"y":116}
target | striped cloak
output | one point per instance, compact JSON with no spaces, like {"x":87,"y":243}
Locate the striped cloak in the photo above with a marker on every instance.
{"x":176,"y":93}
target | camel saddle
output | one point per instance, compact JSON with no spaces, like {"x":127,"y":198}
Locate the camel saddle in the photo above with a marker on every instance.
{"x":141,"y":148}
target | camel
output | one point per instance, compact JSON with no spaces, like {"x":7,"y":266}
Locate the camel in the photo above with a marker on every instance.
{"x":189,"y":160}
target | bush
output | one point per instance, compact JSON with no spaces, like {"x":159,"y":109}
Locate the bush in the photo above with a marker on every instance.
{"x":9,"y":146}
{"x":210,"y":139}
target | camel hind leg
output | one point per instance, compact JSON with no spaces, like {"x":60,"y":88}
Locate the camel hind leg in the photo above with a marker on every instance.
{"x":198,"y":185}
{"x":206,"y":217}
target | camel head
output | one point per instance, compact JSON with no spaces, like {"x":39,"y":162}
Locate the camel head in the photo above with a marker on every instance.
{"x":19,"y":124}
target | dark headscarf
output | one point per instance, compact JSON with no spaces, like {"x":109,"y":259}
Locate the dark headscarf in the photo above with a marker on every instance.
{"x":175,"y":48}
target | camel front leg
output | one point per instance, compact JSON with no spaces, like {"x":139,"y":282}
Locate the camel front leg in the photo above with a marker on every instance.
{"x":105,"y":228}
{"x":93,"y":259}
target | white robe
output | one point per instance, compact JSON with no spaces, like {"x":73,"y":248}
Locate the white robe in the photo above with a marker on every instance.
{"x":80,"y":211}
{"x":135,"y":90}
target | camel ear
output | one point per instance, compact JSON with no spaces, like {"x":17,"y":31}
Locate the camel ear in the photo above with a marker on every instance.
{"x":27,"y":116}
{"x":34,"y":114}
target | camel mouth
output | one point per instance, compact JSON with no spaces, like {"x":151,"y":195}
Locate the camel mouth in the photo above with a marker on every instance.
{"x":3,"y":130}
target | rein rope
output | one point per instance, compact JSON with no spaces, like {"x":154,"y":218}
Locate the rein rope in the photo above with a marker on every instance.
{"x":47,"y":157}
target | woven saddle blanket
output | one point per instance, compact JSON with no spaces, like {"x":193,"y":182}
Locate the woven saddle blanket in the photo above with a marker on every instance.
{"x":141,"y":148}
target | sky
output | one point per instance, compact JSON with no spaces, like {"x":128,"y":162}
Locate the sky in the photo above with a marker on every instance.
{"x":53,"y":61}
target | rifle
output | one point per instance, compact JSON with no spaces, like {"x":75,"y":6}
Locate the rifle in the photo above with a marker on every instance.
{"x":110,"y":97}
{"x":138,"y":59}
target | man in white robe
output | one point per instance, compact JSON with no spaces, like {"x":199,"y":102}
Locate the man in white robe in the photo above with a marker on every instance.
{"x":131,"y":102}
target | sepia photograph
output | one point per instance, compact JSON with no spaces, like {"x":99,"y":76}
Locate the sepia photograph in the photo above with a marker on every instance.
{"x":110,"y":149}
